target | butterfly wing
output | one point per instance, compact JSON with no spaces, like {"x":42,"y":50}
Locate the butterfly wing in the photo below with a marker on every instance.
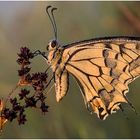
{"x":103,"y":69}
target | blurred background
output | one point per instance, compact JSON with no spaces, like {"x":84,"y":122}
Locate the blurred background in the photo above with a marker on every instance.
{"x":26,"y":24}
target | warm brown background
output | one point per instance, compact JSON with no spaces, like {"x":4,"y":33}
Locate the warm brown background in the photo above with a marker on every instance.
{"x":26,"y":23}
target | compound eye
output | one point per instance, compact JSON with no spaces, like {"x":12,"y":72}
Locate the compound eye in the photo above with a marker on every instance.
{"x":53,"y":43}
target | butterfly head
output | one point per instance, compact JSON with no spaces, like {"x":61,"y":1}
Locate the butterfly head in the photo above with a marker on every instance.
{"x":54,"y":52}
{"x":52,"y":45}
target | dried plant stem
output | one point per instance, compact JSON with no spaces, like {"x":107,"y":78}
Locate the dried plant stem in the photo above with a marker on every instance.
{"x":11,"y":92}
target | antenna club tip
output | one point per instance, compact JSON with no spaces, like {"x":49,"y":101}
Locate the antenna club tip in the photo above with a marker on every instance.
{"x":54,"y":8}
{"x":48,"y":6}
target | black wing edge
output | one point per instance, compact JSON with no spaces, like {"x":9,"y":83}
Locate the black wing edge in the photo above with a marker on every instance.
{"x":101,"y":39}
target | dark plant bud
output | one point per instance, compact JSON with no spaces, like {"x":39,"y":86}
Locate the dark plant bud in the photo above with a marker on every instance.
{"x":23,"y":93}
{"x":23,"y":71}
{"x":41,"y":97}
{"x":30,"y":102}
{"x":25,"y":53}
{"x":22,"y":119}
{"x":28,"y":78}
{"x":9,"y":114}
{"x":13,"y":101}
{"x":17,"y":107}
{"x":43,"y":76}
{"x":44,"y":107}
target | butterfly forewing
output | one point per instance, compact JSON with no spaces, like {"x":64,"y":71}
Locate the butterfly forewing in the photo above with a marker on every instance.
{"x":103,"y":68}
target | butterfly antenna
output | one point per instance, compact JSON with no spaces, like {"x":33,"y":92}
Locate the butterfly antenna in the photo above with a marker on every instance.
{"x":52,"y":12}
{"x":52,"y":19}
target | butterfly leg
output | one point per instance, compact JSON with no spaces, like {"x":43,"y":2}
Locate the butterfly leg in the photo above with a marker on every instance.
{"x":38,"y":52}
{"x":49,"y":81}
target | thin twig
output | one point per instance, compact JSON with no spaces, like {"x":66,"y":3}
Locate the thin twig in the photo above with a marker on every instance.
{"x":11,"y":92}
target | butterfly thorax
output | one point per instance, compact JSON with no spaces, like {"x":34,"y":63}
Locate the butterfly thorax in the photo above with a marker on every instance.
{"x":55,"y":53}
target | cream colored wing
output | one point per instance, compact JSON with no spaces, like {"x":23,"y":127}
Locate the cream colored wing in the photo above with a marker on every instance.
{"x":104,"y":69}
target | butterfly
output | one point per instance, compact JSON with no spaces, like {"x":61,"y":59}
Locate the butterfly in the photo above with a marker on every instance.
{"x":102,"y":67}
